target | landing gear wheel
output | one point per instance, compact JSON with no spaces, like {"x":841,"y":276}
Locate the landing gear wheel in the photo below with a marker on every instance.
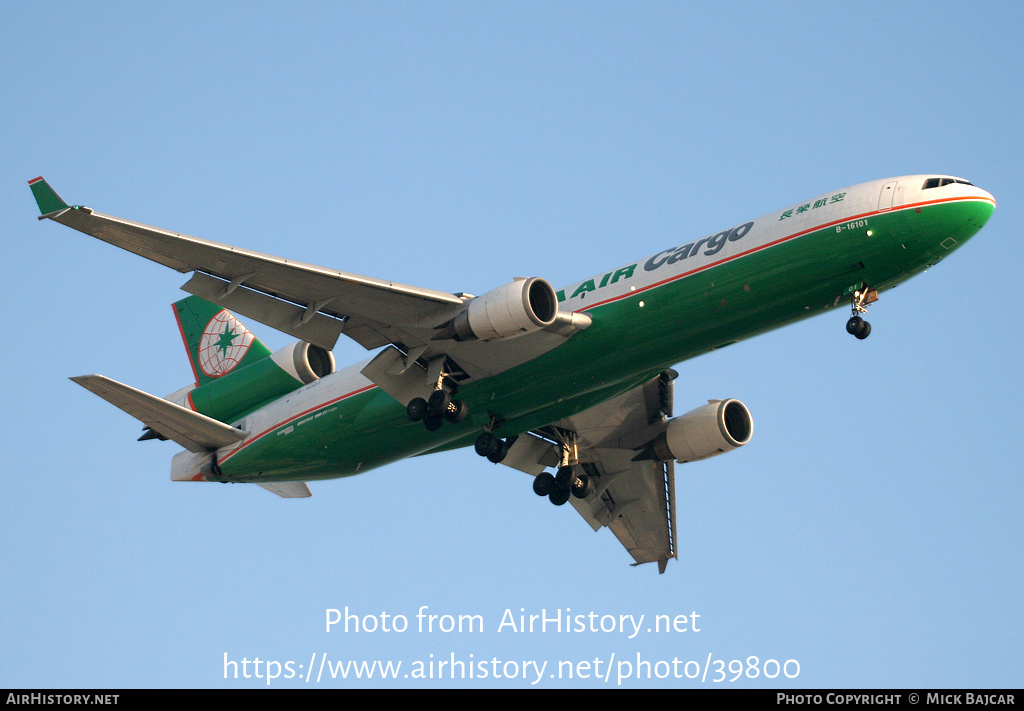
{"x":558,"y":496}
{"x":858,"y":327}
{"x":499,"y":454}
{"x":564,"y":478}
{"x":456,"y":412}
{"x":543,"y":484}
{"x":487,"y":444}
{"x":581,"y":487}
{"x":433,"y":421}
{"x":416,"y":409}
{"x":438,"y":402}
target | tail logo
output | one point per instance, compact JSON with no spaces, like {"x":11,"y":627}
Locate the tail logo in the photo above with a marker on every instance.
{"x":224,"y":343}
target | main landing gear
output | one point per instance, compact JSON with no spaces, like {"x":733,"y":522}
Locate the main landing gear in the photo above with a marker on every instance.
{"x":491,"y":446}
{"x":569,"y":480}
{"x":862,"y":298}
{"x":558,"y":487}
{"x":439,"y":407}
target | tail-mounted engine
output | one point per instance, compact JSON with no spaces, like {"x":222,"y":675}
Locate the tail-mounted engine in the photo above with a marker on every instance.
{"x":524,"y":306}
{"x":243,"y":389}
{"x":710,"y":430}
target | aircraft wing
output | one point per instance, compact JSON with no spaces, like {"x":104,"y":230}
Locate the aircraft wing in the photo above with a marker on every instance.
{"x":312,"y":303}
{"x":634,"y":498}
{"x":311,"y":296}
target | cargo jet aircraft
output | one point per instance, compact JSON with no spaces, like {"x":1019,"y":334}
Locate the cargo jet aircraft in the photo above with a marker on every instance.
{"x":577,"y":380}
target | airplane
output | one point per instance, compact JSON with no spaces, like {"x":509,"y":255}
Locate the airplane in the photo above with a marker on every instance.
{"x":577,"y":380}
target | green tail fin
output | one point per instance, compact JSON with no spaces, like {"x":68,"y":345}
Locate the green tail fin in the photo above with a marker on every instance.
{"x":215,"y":340}
{"x":48,"y":200}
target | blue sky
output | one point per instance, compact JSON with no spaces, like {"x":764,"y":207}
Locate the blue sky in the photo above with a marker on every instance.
{"x":871,"y":531}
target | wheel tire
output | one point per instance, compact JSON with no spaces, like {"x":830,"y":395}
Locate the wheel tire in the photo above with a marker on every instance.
{"x":438,"y":402}
{"x":564,"y":478}
{"x":432,"y":421}
{"x":416,"y":409}
{"x":543,"y":484}
{"x":581,"y":487}
{"x":558,"y":496}
{"x":499,"y":453}
{"x":854,"y":325}
{"x":456,"y":412}
{"x":486,"y":444}
{"x":864,"y":331}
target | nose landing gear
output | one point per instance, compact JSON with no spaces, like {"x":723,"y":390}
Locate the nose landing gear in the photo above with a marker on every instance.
{"x":858,"y":327}
{"x":862,"y":298}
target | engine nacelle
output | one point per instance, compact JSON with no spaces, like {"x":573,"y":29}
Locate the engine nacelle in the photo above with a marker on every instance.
{"x":239,"y":391}
{"x":304,"y":361}
{"x":524,"y":306}
{"x":708,"y":431}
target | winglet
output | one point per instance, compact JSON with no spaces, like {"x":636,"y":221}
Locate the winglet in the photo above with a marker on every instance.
{"x":49,"y":201}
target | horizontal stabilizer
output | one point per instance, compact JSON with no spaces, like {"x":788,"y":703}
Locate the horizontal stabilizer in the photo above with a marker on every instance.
{"x":193,"y":431}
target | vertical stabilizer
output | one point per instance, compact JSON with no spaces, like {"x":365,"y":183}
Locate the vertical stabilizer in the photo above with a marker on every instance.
{"x":217,"y":342}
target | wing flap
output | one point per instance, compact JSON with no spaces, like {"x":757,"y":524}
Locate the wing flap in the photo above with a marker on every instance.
{"x":315,"y":328}
{"x":274,"y":275}
{"x":193,"y":431}
{"x":637,"y":504}
{"x":343,"y":295}
{"x":635,"y":499}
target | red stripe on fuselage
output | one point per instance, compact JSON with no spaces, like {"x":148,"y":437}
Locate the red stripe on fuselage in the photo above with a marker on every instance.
{"x":188,"y":350}
{"x":801,"y":233}
{"x":245,"y":443}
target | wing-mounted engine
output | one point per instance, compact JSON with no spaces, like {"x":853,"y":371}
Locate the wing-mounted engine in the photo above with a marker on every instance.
{"x":476,"y":343}
{"x":614,"y":461}
{"x":524,"y":306}
{"x":710,"y":430}
{"x":243,"y":389}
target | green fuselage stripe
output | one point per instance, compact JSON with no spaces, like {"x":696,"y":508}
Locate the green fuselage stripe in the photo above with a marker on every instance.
{"x":781,"y":240}
{"x":294,"y":418}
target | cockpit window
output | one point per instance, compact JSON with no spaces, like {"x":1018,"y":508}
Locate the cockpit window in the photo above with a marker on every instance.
{"x":938,"y":182}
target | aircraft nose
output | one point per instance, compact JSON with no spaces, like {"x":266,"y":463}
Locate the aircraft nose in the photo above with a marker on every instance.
{"x":975,"y":211}
{"x":984,"y":206}
{"x":986,"y":195}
